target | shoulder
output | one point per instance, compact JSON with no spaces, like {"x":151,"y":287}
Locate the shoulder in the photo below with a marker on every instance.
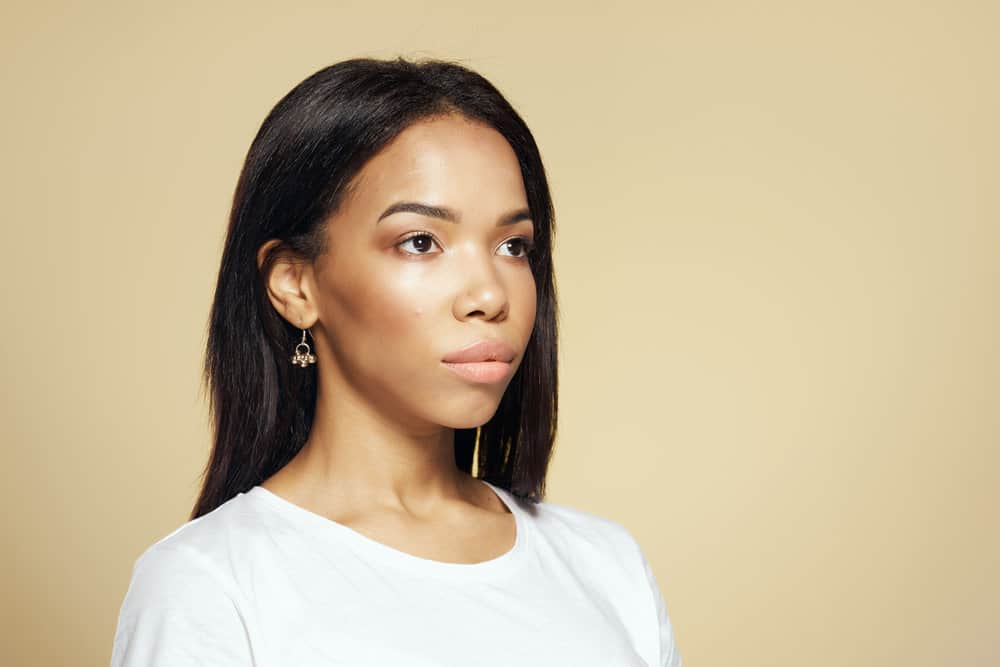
{"x":197,"y":559}
{"x":182,"y":606}
{"x":606,"y":553}
{"x":594,"y":534}
{"x":208,"y":542}
{"x":191,"y":560}
{"x":600,"y":549}
{"x":169,"y":575}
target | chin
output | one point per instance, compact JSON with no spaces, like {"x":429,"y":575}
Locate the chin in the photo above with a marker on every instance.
{"x":470,"y":415}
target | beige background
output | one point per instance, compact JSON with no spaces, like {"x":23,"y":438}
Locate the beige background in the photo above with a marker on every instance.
{"x":777,"y":255}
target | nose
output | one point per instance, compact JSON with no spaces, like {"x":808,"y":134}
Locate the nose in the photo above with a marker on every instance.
{"x":482,"y":292}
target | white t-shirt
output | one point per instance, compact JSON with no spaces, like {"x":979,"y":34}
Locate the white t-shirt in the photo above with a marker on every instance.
{"x":262,"y":581}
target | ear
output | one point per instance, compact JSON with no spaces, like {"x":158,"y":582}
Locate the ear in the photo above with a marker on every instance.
{"x":288,"y":281}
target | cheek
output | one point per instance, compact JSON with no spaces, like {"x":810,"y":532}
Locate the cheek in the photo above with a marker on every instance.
{"x":390,"y":304}
{"x":526,"y":298}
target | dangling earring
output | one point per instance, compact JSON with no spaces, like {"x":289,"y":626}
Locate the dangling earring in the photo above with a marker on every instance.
{"x":303,"y":358}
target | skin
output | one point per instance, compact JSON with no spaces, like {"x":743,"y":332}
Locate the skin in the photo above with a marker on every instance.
{"x":383,"y":310}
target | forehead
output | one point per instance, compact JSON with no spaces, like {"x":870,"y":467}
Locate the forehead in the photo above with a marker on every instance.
{"x":447,"y":160}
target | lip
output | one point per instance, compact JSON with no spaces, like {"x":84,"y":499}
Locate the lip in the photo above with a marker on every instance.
{"x":488,"y":350}
{"x":484,"y":361}
{"x":486,"y":372}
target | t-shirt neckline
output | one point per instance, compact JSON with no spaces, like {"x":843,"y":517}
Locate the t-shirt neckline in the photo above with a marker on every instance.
{"x":325,"y":528}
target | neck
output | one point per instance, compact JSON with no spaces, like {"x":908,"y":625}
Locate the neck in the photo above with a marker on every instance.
{"x":358,"y":457}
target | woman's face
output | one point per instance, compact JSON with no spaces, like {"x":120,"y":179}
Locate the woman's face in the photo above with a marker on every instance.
{"x":427,"y":255}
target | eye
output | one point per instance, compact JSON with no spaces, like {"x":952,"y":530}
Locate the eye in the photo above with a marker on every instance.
{"x":421,"y":243}
{"x":519,"y":242}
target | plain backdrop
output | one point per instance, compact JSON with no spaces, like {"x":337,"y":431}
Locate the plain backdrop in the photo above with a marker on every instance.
{"x":778,"y":241}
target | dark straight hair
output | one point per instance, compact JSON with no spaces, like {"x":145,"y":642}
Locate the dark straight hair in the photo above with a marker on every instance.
{"x":297,"y":171}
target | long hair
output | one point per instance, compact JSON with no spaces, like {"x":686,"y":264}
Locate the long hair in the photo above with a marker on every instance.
{"x":296,"y":173}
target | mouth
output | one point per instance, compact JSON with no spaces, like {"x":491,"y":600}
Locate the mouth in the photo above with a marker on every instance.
{"x":485,"y":361}
{"x":487,"y":350}
{"x":485,"y":372}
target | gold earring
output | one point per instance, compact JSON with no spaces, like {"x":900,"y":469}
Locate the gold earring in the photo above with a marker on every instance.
{"x":303,"y":358}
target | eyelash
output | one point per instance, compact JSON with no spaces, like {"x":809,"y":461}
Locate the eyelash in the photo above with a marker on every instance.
{"x":529,"y":247}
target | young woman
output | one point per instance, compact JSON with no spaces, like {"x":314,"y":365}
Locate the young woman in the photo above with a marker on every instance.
{"x":385,"y":314}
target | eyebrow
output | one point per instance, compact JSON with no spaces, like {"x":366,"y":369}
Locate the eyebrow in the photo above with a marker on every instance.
{"x":444,"y":213}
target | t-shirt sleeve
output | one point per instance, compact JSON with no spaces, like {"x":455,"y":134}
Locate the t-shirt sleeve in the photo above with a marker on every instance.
{"x":669,"y":655}
{"x":179,"y":611}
